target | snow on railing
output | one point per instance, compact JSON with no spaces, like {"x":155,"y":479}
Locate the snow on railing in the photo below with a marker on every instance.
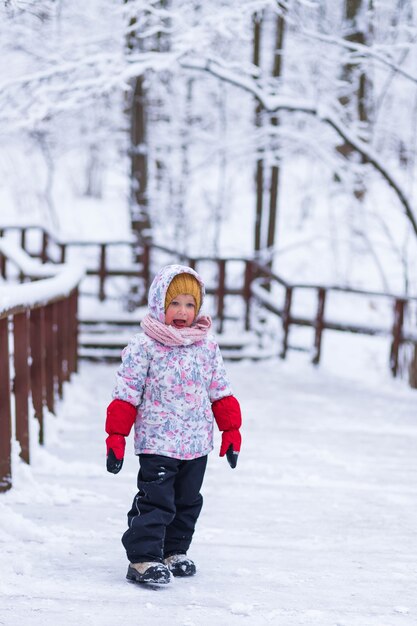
{"x":58,"y":281}
{"x":53,"y":248}
{"x":27,"y":264}
{"x":38,"y":347}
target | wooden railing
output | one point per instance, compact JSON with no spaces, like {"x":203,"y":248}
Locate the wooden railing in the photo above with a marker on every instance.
{"x":38,"y":321}
{"x":248,"y":281}
{"x":48,"y":248}
{"x":265,"y":279}
{"x":38,"y":350}
{"x":256,"y":283}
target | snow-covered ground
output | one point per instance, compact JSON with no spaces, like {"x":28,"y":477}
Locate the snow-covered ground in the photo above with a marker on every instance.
{"x":316,"y":526}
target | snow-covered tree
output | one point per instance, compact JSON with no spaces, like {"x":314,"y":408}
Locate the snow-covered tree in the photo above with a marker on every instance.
{"x":75,"y":73}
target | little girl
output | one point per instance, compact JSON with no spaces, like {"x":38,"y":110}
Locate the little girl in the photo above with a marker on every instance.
{"x":170,"y":385}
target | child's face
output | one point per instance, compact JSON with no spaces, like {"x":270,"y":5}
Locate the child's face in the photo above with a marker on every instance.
{"x":181,"y":311}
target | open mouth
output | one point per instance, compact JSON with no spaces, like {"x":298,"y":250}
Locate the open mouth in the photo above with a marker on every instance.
{"x":179,"y":323}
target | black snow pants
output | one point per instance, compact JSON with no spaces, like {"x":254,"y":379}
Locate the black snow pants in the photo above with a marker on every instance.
{"x":165,"y":509}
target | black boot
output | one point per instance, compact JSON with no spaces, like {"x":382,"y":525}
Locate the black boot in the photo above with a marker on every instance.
{"x":149,"y":572}
{"x":180,"y":565}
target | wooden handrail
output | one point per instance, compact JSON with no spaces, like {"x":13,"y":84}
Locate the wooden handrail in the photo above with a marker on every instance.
{"x":263,"y":270}
{"x":260,"y":290}
{"x":39,"y":336}
{"x":101,"y":270}
{"x":257,"y":280}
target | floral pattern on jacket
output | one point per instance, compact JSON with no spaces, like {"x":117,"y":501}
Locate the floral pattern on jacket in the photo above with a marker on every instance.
{"x":172,"y":387}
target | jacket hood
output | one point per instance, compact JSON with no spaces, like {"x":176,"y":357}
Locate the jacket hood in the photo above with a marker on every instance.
{"x":160,"y":284}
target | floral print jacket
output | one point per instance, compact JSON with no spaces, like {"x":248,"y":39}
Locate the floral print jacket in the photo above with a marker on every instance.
{"x":172,"y":387}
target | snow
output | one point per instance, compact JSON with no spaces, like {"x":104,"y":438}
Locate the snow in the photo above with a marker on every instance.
{"x":315,"y":526}
{"x":62,"y":280}
{"x":28,"y":265}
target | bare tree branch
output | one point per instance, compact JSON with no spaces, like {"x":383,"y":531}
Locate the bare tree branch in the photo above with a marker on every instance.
{"x":363,"y":52}
{"x":273,"y":103}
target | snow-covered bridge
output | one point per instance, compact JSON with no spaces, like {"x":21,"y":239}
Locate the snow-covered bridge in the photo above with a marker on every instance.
{"x":316,"y":525}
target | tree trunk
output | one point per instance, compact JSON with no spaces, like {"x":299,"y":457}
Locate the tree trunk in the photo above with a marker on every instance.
{"x":138,"y":150}
{"x":139,"y":159}
{"x":275,"y":170}
{"x":141,"y":222}
{"x":356,"y":96}
{"x":259,"y":176}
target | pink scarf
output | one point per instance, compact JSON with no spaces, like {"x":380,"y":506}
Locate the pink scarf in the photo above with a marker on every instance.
{"x":171,"y":336}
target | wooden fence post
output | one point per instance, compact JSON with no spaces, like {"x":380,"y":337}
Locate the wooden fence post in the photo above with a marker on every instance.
{"x":63,"y":249}
{"x":73,"y":311}
{"x":59,"y":348}
{"x":5,"y":410}
{"x":66,"y":332}
{"x":3,"y":265}
{"x":220,"y":293}
{"x":50,"y":373}
{"x":23,"y":239}
{"x":286,"y":321}
{"x":102,"y":272}
{"x":37,"y":368}
{"x":22,"y":381}
{"x":247,"y":296}
{"x":62,"y":343}
{"x":397,"y":330}
{"x":319,"y":325}
{"x":412,"y":368}
{"x":146,"y":262}
{"x":44,"y":251}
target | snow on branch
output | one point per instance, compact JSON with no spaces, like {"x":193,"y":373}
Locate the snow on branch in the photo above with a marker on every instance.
{"x":361,"y":52}
{"x":273,"y":103}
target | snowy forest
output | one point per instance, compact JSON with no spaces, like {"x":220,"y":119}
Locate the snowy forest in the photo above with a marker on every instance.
{"x":270,"y":145}
{"x":281,"y":129}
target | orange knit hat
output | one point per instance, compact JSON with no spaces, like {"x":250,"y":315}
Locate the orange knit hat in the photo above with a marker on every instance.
{"x":187,"y":284}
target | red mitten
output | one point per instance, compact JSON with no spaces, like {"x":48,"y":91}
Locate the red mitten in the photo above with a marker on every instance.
{"x":121,"y":416}
{"x":229,"y":419}
{"x":230,"y":438}
{"x":117,"y":443}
